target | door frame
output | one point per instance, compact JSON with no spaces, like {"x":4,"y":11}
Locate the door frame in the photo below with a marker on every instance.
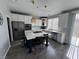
{"x":9,"y":30}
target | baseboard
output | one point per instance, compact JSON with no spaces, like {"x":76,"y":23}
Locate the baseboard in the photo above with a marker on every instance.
{"x":6,"y":52}
{"x":59,"y":42}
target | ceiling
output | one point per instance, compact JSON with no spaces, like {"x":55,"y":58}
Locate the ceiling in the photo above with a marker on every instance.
{"x":38,"y":9}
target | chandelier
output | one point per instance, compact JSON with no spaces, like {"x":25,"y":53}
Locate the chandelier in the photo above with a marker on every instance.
{"x":39,"y":2}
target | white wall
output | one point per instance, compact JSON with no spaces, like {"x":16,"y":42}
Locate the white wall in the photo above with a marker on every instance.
{"x":4,"y":36}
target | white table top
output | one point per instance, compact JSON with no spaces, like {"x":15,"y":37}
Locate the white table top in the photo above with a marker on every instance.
{"x":30,"y":35}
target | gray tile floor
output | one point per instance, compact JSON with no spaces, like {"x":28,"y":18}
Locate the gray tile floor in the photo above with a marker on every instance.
{"x":53,"y":51}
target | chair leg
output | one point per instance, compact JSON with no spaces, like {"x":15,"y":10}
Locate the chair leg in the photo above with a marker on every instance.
{"x":46,"y":41}
{"x":30,"y":46}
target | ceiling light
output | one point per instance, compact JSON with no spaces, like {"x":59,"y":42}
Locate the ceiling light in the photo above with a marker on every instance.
{"x":45,"y":6}
{"x":35,"y":2}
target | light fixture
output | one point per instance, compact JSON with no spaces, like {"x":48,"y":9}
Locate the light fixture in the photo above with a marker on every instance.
{"x":45,"y":6}
{"x":43,"y":2}
{"x":33,"y":2}
{"x":1,"y":19}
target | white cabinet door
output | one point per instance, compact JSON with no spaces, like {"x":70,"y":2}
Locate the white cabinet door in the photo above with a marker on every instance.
{"x":20,"y":17}
{"x":16,"y":17}
{"x":28,"y":19}
{"x":61,"y":38}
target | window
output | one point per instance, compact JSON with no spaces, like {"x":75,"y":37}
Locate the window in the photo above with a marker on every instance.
{"x":36,"y":22}
{"x":53,"y":23}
